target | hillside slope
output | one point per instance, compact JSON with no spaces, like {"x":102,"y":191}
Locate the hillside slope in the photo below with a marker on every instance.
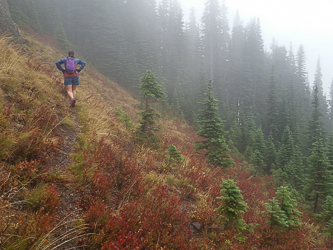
{"x":77,"y":178}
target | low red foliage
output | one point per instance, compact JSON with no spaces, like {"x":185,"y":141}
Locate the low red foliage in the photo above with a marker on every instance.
{"x":29,"y":171}
{"x":149,"y":222}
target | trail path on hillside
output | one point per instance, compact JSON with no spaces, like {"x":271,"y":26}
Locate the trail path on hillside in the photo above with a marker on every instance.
{"x":69,"y":211}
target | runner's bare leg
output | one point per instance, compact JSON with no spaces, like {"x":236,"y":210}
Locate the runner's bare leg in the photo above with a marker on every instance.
{"x":74,"y":90}
{"x":69,"y":90}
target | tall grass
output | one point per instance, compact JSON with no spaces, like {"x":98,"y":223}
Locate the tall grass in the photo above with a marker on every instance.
{"x":30,"y":109}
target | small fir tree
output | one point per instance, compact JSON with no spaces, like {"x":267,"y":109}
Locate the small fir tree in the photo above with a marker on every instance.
{"x":287,"y":148}
{"x":234,"y":136}
{"x":295,"y":170}
{"x":327,"y":212}
{"x":211,"y":129}
{"x":175,"y":156}
{"x":271,"y":155}
{"x":329,"y":228}
{"x":248,"y":132}
{"x":288,"y":206}
{"x":259,"y":151}
{"x":277,"y":217}
{"x":151,"y":90}
{"x":326,"y":215}
{"x":232,"y":205}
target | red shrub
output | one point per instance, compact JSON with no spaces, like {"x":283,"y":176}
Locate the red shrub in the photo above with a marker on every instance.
{"x":156,"y":220}
{"x":51,"y":200}
{"x":117,"y":174}
{"x":31,"y":171}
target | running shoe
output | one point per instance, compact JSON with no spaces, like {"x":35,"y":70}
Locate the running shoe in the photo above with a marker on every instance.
{"x":73,"y":102}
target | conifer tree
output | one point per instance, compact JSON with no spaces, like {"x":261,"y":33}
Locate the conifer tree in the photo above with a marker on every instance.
{"x":248,"y":130}
{"x":171,"y":44}
{"x":254,"y":73}
{"x":259,"y":150}
{"x":319,"y":84}
{"x":235,"y":57}
{"x":60,"y":33}
{"x":297,"y":118}
{"x":215,"y":39}
{"x":271,"y":116}
{"x":295,"y":170}
{"x":151,"y":90}
{"x":284,"y":118}
{"x":47,"y":12}
{"x":315,"y":124}
{"x":193,"y":48}
{"x":331,"y":105}
{"x":287,"y":148}
{"x":211,"y":129}
{"x":300,"y":67}
{"x":319,"y":178}
{"x":288,"y":205}
{"x":178,"y":99}
{"x":15,"y":11}
{"x":32,"y":14}
{"x":301,"y":82}
{"x":234,"y":135}
{"x":330,"y":152}
{"x":301,"y":72}
{"x":277,"y":217}
{"x":329,"y":228}
{"x":271,"y":155}
{"x":327,"y":211}
{"x":232,"y":205}
{"x":326,"y":215}
{"x":175,"y":156}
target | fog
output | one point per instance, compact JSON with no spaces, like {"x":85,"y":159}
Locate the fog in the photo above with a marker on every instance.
{"x":288,"y":22}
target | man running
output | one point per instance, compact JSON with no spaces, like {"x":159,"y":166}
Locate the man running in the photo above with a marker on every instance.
{"x":71,"y":74}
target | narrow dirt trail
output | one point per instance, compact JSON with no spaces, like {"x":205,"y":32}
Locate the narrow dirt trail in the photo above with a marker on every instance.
{"x":65,"y":236}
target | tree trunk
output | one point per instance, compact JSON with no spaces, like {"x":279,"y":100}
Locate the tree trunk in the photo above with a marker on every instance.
{"x":316,"y":203}
{"x":147,"y":105}
{"x":7,"y":26}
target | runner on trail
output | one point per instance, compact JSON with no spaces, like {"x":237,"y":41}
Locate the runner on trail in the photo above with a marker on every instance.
{"x":71,"y":74}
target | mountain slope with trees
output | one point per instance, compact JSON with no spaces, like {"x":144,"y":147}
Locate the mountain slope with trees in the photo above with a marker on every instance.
{"x":138,"y":192}
{"x":130,"y":193}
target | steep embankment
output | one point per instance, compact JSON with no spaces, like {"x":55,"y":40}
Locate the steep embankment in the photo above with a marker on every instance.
{"x":38,"y":132}
{"x":77,"y":176}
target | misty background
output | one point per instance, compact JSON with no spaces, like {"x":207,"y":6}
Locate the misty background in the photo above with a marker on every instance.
{"x":292,"y":22}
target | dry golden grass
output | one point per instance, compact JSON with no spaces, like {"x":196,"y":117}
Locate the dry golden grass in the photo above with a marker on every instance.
{"x":97,"y":96}
{"x":30,"y":104}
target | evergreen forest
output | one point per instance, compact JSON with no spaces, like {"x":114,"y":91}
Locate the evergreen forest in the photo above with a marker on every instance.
{"x":259,"y":125}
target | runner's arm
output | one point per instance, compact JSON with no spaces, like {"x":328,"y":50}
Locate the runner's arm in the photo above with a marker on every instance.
{"x":82,"y":63}
{"x":58,"y":63}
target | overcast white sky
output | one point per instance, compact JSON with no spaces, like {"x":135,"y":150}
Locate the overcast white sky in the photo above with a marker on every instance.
{"x":306,"y":22}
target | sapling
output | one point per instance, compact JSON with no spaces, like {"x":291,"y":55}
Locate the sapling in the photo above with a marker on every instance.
{"x":232,"y":205}
{"x":175,"y":156}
